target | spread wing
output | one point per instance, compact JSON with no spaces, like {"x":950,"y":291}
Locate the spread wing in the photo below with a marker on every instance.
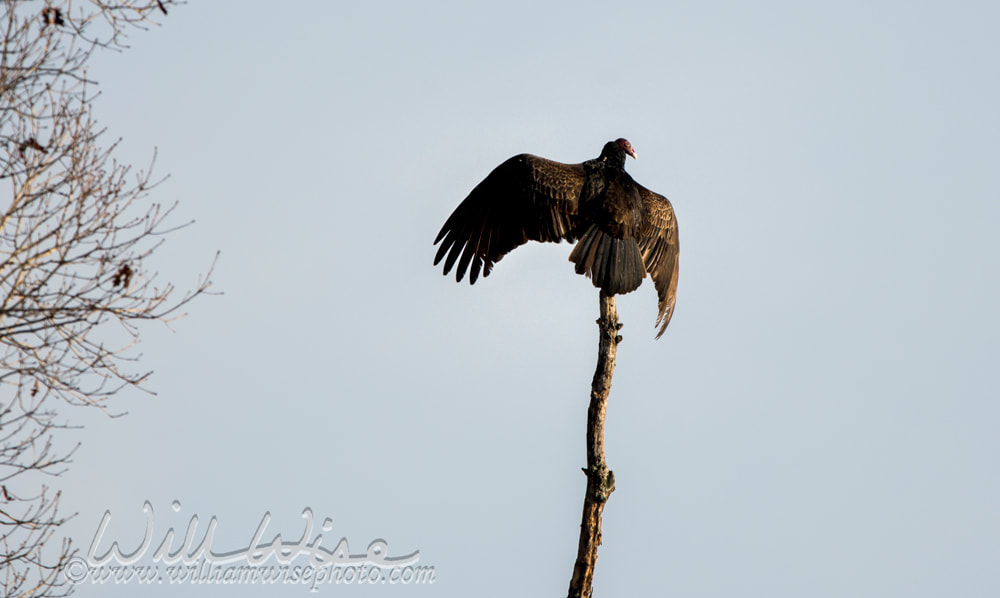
{"x":660,"y":250}
{"x":526,"y":198}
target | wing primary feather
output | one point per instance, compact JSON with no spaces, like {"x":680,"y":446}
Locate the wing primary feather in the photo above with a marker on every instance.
{"x":477,"y":264}
{"x":442,"y":250}
{"x":456,"y":250}
{"x":467,"y":256}
{"x":473,"y":253}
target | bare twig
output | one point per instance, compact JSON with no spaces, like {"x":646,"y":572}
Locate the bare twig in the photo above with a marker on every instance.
{"x":77,"y":235}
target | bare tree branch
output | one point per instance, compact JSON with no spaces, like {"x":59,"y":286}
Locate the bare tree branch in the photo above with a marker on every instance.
{"x":77,"y":234}
{"x":600,"y":479}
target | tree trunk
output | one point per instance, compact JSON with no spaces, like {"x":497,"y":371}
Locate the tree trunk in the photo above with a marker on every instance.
{"x":600,"y":479}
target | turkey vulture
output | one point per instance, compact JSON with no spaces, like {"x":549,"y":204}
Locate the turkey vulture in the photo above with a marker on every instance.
{"x":624,"y":230}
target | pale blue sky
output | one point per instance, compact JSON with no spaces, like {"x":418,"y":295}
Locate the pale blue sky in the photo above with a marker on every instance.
{"x":821,"y":417}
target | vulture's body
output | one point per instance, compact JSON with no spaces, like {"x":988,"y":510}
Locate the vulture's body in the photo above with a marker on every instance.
{"x":623,"y":230}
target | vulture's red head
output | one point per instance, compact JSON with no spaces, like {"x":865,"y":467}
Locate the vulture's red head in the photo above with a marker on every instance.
{"x":625,"y":145}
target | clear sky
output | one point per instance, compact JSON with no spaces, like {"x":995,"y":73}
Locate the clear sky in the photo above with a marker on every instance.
{"x":820,"y":419}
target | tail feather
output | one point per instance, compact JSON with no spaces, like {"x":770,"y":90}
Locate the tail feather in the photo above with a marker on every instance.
{"x":614,"y":265}
{"x":583,"y":253}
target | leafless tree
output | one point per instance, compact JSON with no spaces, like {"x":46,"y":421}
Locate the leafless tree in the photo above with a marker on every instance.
{"x":76,"y":232}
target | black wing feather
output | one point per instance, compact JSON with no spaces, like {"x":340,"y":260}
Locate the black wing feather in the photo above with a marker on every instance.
{"x":660,"y":250}
{"x":526,"y":198}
